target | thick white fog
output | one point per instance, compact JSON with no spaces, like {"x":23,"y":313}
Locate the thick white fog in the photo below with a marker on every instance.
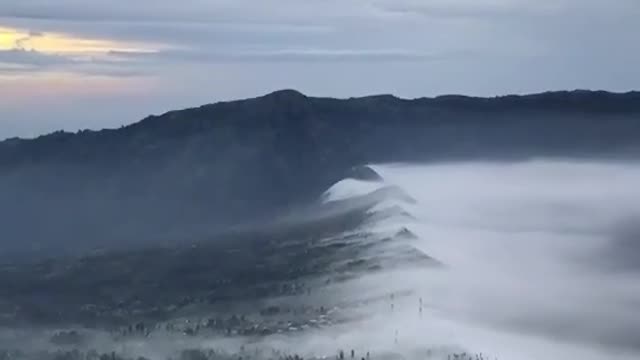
{"x":541,"y":260}
{"x":533,"y":260}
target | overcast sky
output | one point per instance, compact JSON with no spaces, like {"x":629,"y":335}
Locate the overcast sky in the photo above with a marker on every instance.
{"x":73,"y":64}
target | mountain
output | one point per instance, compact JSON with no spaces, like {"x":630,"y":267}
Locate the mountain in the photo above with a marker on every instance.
{"x":187,"y":174}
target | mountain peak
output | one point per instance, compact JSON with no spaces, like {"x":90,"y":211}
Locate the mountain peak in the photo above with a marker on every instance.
{"x":285,"y":94}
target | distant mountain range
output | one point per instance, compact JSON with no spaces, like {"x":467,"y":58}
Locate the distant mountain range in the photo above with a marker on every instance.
{"x":187,"y":174}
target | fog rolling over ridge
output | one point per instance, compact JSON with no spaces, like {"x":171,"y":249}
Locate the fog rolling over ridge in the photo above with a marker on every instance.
{"x":515,"y":260}
{"x":530,"y":253}
{"x":192,"y":173}
{"x":260,"y":228}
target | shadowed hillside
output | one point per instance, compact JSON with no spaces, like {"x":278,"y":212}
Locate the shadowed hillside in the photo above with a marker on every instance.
{"x":192,"y":173}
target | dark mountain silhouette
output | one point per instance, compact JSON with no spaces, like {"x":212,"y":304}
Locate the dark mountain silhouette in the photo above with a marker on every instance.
{"x":189,"y":173}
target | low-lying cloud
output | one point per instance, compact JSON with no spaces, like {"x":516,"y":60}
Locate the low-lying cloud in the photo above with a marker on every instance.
{"x":523,"y":247}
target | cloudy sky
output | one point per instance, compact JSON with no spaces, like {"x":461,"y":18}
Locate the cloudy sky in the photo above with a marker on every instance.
{"x":74,"y":64}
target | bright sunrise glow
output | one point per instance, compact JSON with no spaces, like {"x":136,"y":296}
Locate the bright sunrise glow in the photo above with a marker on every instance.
{"x":57,"y":43}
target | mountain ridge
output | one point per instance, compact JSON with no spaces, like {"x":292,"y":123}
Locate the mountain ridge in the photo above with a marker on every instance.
{"x":186,"y":173}
{"x":444,"y":99}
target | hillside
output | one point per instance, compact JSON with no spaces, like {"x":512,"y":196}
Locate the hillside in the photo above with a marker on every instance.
{"x":187,"y":174}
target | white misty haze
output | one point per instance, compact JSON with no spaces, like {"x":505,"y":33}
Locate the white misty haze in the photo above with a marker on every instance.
{"x":530,"y":252}
{"x":540,"y":261}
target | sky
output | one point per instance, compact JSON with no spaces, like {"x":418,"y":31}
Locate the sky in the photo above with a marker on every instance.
{"x":78,"y":64}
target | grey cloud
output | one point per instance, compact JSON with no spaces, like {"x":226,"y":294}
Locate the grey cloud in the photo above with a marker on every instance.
{"x":509,"y":9}
{"x":623,"y":253}
{"x":508,"y":27}
{"x":188,"y":35}
{"x":455,"y":9}
{"x":286,"y":55}
{"x":271,"y":11}
{"x":21,"y":62}
{"x":31,"y":58}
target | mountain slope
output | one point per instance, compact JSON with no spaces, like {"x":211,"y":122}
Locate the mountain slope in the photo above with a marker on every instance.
{"x":187,"y":174}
